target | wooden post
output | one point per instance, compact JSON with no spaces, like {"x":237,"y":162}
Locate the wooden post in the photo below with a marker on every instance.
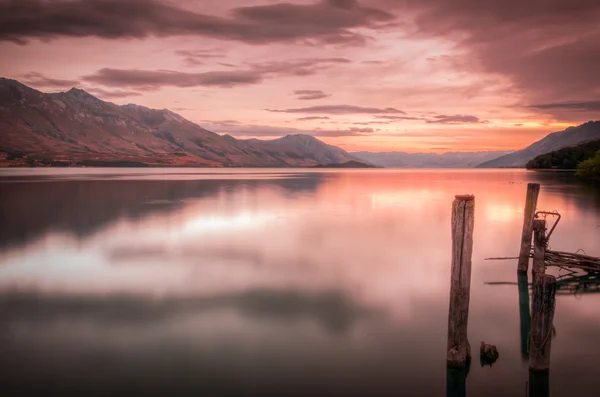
{"x":463,"y":221}
{"x":533,"y":191}
{"x":524,"y":314}
{"x":456,"y":382}
{"x":539,"y":384}
{"x":544,"y":289}
{"x":539,"y":247}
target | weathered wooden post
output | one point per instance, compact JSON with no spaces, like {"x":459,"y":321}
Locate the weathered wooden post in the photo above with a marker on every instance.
{"x":533,"y":191}
{"x":539,"y":384}
{"x":539,"y":247}
{"x":456,"y":382}
{"x":463,"y":221}
{"x":524,"y":315}
{"x":544,"y":289}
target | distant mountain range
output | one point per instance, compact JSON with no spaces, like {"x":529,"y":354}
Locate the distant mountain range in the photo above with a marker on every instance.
{"x":428,"y":160}
{"x":554,"y":141}
{"x":75,"y":127}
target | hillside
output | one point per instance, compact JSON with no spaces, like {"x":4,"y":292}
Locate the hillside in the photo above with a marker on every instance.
{"x":554,"y":141}
{"x":565,"y":158}
{"x":348,"y":164}
{"x":75,"y":127}
{"x":428,"y":160}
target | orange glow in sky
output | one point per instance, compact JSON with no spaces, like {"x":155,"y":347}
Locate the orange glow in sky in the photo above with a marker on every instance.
{"x":376,"y":75}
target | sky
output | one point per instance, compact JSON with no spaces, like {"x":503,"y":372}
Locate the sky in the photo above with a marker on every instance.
{"x":377,"y":75}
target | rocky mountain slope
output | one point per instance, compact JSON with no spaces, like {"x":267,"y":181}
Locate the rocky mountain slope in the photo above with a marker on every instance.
{"x":554,"y":141}
{"x":76,"y":127}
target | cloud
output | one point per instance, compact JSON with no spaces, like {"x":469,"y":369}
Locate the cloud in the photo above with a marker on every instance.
{"x":338,"y":109}
{"x":308,"y":95}
{"x":39,"y":80}
{"x":385,"y":117}
{"x":456,"y":119}
{"x":296,"y":67}
{"x":99,"y":92}
{"x":593,"y":106}
{"x":313,"y":118}
{"x":549,"y":51}
{"x":254,"y":74}
{"x":192,"y":58}
{"x":251,"y":130}
{"x":152,"y":79}
{"x":325,"y":21}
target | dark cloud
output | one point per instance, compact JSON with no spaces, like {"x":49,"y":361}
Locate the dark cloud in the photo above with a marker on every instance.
{"x":338,"y":109}
{"x":308,"y":95}
{"x":313,"y":118}
{"x":593,"y":106}
{"x":255,"y":73}
{"x":372,"y":122}
{"x":385,"y":117}
{"x":456,"y":119}
{"x":518,"y":125}
{"x":249,"y":130}
{"x":99,"y":92}
{"x":372,"y":62}
{"x":39,"y":80}
{"x":148,"y":79}
{"x":325,"y":21}
{"x":194,"y":58}
{"x":549,"y":50}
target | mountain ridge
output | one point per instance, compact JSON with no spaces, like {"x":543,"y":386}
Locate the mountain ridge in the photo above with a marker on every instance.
{"x":428,"y":160}
{"x":570,"y":136}
{"x":74,"y":126}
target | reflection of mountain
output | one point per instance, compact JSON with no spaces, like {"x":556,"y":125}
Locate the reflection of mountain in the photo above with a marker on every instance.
{"x":29,"y":209}
{"x":333,"y":310}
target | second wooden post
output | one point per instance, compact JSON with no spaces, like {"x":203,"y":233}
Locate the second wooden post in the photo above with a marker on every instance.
{"x":463,"y":221}
{"x":542,"y":317}
{"x":539,"y":247}
{"x":533,"y":190}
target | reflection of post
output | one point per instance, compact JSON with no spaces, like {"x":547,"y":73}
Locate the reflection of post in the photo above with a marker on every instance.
{"x":544,"y":289}
{"x":456,"y":382}
{"x":463,"y":220}
{"x":524,"y":314}
{"x":533,"y":190}
{"x":539,"y":247}
{"x":539,"y":384}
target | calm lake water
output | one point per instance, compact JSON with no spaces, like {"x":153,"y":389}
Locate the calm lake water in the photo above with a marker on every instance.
{"x":274,"y":282}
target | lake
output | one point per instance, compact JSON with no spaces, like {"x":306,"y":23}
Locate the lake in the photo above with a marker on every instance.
{"x":274,"y":282}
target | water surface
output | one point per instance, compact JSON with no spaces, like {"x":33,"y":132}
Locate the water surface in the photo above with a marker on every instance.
{"x":256,"y":282}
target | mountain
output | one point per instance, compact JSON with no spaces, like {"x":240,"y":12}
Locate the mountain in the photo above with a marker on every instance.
{"x":75,"y":127}
{"x":554,"y":141}
{"x":428,"y":160}
{"x":567,"y":158}
{"x":348,"y":164}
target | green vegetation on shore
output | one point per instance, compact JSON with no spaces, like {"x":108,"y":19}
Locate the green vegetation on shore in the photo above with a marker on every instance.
{"x":590,"y":168}
{"x":585,"y":158}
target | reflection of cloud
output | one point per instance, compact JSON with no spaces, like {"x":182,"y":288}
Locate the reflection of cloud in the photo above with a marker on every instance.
{"x":335,"y":311}
{"x":213,"y":223}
